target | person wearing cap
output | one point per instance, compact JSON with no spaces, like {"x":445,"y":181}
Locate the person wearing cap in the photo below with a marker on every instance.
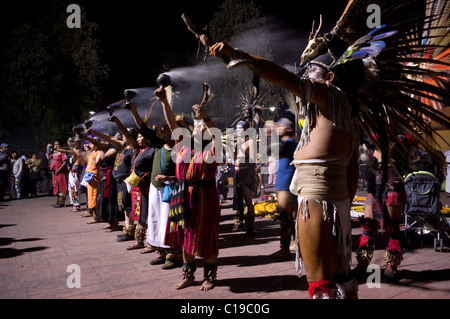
{"x":244,"y":181}
{"x":3,"y":170}
{"x":287,"y":202}
{"x":43,"y":182}
{"x":326,"y":169}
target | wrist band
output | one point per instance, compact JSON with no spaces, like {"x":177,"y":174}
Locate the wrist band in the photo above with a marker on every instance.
{"x":238,"y":54}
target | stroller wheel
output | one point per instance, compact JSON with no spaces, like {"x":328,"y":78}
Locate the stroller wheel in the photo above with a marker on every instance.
{"x":441,"y":244}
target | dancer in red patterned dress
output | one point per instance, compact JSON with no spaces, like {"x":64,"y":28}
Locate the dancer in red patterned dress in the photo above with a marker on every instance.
{"x":58,"y":167}
{"x":198,"y":230}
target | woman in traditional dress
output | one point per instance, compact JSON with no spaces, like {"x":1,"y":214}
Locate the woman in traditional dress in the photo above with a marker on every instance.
{"x":163,"y":173}
{"x":58,"y":167}
{"x":124,"y":144}
{"x":141,"y":167}
{"x":91,"y":177}
{"x":198,"y":229}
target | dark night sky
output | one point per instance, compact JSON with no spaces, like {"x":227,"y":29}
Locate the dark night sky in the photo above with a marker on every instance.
{"x":133,"y":33}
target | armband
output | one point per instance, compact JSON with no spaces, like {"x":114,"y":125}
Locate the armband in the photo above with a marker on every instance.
{"x":238,"y":54}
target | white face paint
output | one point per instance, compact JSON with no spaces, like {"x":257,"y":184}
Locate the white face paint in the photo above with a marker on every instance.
{"x":239,"y":131}
{"x":315,"y":72}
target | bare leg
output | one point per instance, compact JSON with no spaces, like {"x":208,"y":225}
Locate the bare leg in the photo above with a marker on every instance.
{"x":395,"y":212}
{"x":250,"y":218}
{"x":286,"y":207}
{"x":318,"y":247}
{"x":129,"y":221}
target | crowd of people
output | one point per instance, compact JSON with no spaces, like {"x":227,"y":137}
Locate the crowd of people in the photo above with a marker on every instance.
{"x":23,"y":175}
{"x":124,"y":178}
{"x":164,"y":189}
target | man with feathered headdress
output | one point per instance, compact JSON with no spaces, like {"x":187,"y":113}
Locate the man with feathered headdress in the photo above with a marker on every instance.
{"x":326,"y":171}
{"x":355,"y":80}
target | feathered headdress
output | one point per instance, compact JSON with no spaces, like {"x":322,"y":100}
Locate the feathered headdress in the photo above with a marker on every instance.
{"x":250,"y":109}
{"x":398,"y":73}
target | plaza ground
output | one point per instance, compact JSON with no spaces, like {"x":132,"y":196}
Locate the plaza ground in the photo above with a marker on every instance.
{"x":38,"y":243}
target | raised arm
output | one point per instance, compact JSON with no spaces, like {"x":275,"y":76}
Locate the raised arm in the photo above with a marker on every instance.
{"x":65,"y":150}
{"x":201,"y":113}
{"x":137,"y":118}
{"x":99,"y":144}
{"x":117,"y":144}
{"x":111,"y":152}
{"x":160,"y":94}
{"x":81,"y":156}
{"x":315,"y":91}
{"x":269,"y":71}
{"x":124,"y":131}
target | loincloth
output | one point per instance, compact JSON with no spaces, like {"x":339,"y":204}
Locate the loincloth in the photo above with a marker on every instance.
{"x":320,"y":179}
{"x":325,"y":181}
{"x":341,"y":230}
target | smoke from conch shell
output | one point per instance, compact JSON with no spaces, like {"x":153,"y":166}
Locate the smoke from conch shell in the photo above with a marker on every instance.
{"x":187,"y":82}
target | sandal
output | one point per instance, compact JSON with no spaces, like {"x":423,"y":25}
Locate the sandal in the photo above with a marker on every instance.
{"x":136,"y":246}
{"x":148,"y":249}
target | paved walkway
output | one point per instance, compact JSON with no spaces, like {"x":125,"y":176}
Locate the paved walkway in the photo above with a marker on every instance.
{"x":38,"y":245}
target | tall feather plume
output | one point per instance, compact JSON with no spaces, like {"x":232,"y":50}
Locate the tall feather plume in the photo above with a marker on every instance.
{"x":408,"y":83}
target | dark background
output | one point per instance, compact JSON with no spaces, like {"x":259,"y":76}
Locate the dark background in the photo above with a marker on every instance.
{"x":134,"y":34}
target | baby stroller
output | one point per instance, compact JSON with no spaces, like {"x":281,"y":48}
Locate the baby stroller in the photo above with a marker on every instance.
{"x":423,"y":208}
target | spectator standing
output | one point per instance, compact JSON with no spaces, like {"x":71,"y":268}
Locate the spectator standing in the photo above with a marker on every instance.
{"x":16,"y":175}
{"x":287,"y":202}
{"x":43,"y":184}
{"x":4,"y":170}
{"x":25,"y":180}
{"x":33,"y":164}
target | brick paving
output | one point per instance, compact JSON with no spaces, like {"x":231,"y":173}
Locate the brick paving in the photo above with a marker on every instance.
{"x":38,"y":243}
